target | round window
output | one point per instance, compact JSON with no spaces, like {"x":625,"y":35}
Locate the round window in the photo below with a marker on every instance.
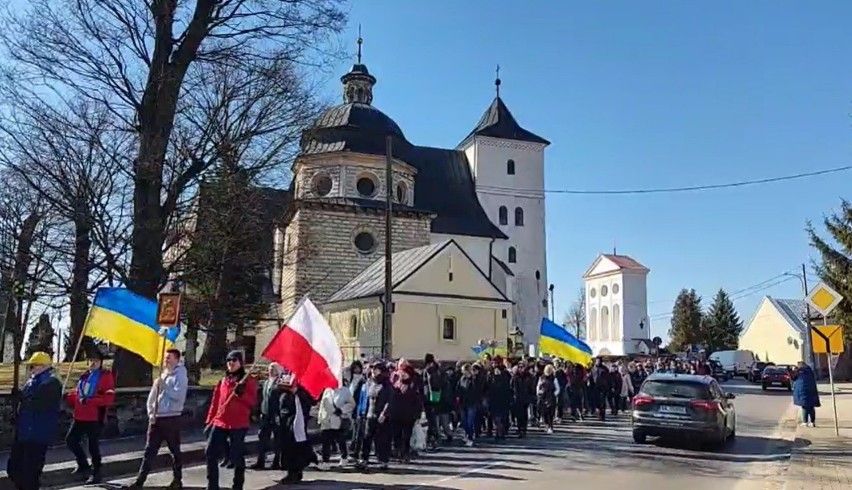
{"x":604,"y":290}
{"x":365,"y":242}
{"x":366,"y":186}
{"x":322,"y":185}
{"x":401,"y":193}
{"x":615,"y":289}
{"x":593,"y":293}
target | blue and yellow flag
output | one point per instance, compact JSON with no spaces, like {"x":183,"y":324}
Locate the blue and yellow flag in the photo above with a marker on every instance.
{"x":129,"y":321}
{"x":556,"y":341}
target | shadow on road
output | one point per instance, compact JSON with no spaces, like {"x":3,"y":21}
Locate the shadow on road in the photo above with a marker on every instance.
{"x":345,"y":485}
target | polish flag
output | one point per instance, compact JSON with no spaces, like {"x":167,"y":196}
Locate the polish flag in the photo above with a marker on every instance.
{"x":307,"y":347}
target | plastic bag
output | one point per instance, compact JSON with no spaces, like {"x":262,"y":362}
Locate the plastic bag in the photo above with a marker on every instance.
{"x":418,"y":437}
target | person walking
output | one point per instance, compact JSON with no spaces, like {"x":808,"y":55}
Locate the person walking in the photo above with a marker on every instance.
{"x":806,"y":394}
{"x":269,"y":413}
{"x":165,"y":407}
{"x":93,"y":395}
{"x":357,"y":382}
{"x":405,"y":409}
{"x":37,"y":416}
{"x":295,"y":405}
{"x":499,"y":397}
{"x":335,"y":420}
{"x":547,"y":392}
{"x":469,"y":395}
{"x":377,"y":426}
{"x":523,"y":394}
{"x":228,"y":421}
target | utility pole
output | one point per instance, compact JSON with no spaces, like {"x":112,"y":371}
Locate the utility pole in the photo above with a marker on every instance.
{"x":810,"y":350}
{"x":387,"y":324}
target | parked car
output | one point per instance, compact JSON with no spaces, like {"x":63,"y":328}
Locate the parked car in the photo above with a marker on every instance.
{"x":682,"y":405}
{"x":735,"y":362}
{"x":755,"y":371}
{"x":777,"y":376}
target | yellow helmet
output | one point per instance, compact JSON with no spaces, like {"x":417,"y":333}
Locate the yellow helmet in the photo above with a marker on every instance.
{"x":40,"y":359}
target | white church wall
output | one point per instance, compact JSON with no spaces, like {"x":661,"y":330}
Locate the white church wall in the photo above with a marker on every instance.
{"x":636,"y":306}
{"x":524,"y":190}
{"x":478,"y":248}
{"x":616,"y":305}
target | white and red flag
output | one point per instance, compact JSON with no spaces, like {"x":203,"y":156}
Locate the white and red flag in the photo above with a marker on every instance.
{"x":306,"y":346}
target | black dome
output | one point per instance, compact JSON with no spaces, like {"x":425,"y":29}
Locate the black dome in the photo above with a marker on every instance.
{"x":360,"y":117}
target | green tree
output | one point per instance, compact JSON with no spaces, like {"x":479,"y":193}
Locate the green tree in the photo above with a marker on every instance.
{"x":835,"y":266}
{"x":41,"y":337}
{"x":722,"y":325}
{"x":686,"y":326}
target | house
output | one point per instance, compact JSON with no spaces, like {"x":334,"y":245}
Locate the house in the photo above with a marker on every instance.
{"x":778,"y":332}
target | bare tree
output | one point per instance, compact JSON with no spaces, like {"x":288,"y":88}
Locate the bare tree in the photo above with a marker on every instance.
{"x":137,"y":57}
{"x":575,"y":319}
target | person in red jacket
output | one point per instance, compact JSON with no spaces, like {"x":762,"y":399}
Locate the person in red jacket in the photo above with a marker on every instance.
{"x":228,"y":421}
{"x":90,"y":399}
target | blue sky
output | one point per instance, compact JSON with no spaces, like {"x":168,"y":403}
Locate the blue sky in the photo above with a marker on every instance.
{"x":636,"y":96}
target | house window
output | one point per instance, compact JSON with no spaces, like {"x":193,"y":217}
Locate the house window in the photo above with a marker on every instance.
{"x":353,"y":327}
{"x":365,"y":242}
{"x":519,"y":217}
{"x":593,"y":324}
{"x":448,"y":329}
{"x":504,"y":215}
{"x":604,"y":323}
{"x":451,"y":277}
{"x":322,"y":185}
{"x":366,"y":186}
{"x":503,"y":314}
{"x":510,"y":167}
{"x":401,"y":193}
{"x":616,"y":321}
{"x":513,"y":255}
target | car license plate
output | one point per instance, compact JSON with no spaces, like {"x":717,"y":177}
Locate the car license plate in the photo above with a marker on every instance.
{"x":672,"y":409}
{"x":777,"y":383}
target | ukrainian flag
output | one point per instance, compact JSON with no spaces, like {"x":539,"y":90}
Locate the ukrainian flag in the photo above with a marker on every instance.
{"x":556,"y":341}
{"x":129,"y":321}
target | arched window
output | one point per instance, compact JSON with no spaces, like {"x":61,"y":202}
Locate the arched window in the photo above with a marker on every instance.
{"x":616,"y":321}
{"x":593,"y":324}
{"x":604,"y":323}
{"x":504,"y":215}
{"x":510,"y":167}
{"x":513,"y":255}
{"x":519,"y":217}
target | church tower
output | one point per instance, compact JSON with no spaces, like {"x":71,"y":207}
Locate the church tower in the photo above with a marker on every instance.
{"x":616,"y":305}
{"x":507,"y":163}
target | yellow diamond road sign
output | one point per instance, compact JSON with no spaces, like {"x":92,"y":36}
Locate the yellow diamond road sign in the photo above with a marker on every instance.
{"x":823,"y":298}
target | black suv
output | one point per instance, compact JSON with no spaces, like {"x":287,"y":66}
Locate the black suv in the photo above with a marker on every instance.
{"x":683,"y":405}
{"x":755,"y":371}
{"x":719,"y":371}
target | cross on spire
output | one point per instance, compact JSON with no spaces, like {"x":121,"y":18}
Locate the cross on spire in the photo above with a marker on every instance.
{"x":360,"y":42}
{"x":497,"y":81}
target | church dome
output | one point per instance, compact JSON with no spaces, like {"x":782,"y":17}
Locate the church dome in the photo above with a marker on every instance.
{"x":360,"y":117}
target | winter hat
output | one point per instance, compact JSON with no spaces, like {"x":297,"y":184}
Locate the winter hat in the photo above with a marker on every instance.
{"x":235,"y":355}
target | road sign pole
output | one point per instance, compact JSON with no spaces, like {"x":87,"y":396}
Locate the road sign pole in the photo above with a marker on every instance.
{"x":831,"y":379}
{"x":825,"y":299}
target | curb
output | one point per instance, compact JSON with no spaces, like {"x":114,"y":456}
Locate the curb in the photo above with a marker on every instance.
{"x":58,"y":475}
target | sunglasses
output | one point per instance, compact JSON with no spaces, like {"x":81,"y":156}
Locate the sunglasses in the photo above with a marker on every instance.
{"x":232,"y":360}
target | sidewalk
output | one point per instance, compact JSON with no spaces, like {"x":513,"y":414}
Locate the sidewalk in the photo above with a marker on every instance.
{"x":820,"y":460}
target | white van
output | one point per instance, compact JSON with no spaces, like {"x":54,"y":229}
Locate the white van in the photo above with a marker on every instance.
{"x":734,"y":362}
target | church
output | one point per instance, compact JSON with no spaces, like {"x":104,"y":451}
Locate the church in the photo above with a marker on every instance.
{"x":468,"y":231}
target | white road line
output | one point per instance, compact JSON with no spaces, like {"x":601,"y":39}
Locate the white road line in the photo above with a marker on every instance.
{"x":477,"y":469}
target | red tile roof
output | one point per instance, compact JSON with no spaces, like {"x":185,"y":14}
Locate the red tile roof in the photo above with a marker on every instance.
{"x":625,"y":262}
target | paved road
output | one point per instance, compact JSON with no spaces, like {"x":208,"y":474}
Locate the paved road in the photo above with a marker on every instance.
{"x":585,"y":455}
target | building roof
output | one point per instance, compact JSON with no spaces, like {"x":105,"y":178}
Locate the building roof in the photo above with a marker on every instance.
{"x":360,"y":117}
{"x":498,"y":122}
{"x":371,"y":281}
{"x":503,"y":266}
{"x":625,"y":262}
{"x":793,"y":310}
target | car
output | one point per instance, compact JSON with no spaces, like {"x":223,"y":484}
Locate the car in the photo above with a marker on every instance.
{"x":718,"y":371}
{"x":755,"y":371}
{"x":776,"y":376}
{"x":683,"y":405}
{"x":735,"y":362}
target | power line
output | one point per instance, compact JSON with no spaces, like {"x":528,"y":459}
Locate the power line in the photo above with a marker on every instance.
{"x":668,"y":190}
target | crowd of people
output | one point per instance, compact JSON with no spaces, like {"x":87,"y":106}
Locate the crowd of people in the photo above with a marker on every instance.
{"x":383,"y":410}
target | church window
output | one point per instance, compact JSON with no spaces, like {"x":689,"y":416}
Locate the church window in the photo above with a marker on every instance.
{"x":353,"y":327}
{"x":519,"y":217}
{"x":537,"y":275}
{"x":593,"y":324}
{"x":513,"y":255}
{"x":322,"y":185}
{"x":615,"y":289}
{"x":593,"y":292}
{"x":365,"y":242}
{"x":604,"y":290}
{"x":616,"y":321}
{"x":604,"y":323}
{"x":366,"y":186}
{"x":448,"y":329}
{"x":510,"y":167}
{"x":504,"y":215}
{"x":401,"y":193}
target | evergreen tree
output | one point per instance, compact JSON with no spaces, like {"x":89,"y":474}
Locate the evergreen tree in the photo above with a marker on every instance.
{"x":686,"y":321}
{"x":41,"y":337}
{"x":835,"y":267}
{"x":722,"y":325}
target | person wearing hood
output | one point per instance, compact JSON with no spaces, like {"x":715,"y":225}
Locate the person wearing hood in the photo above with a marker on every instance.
{"x":165,"y":407}
{"x":269,"y":413}
{"x":335,"y":420}
{"x":806,"y":394}
{"x":37,"y":417}
{"x":228,"y":420}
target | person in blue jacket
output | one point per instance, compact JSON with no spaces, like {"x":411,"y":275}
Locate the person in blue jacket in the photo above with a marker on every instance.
{"x":805,"y":394}
{"x":37,"y":419}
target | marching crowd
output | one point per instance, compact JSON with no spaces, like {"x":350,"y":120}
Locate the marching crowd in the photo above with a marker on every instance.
{"x":383,"y":410}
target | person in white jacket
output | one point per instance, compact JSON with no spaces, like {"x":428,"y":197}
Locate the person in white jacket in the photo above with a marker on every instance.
{"x":335,"y":420}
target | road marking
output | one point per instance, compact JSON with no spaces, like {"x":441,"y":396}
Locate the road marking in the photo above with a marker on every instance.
{"x":471,"y":471}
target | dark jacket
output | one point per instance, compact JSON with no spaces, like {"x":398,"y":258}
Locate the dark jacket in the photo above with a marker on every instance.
{"x":523,"y":389}
{"x":468,"y":392}
{"x":499,"y":391}
{"x":805,"y":393}
{"x":406,"y":401}
{"x":38,"y":411}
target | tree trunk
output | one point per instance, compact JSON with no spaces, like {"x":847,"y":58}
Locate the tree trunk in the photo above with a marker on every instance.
{"x":22,"y":266}
{"x":81,"y":267}
{"x":193,"y":369}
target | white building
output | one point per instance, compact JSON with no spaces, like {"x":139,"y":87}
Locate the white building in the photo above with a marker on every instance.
{"x":617,"y":305}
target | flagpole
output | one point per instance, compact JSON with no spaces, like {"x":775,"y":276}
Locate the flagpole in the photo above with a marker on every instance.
{"x":79,"y":342}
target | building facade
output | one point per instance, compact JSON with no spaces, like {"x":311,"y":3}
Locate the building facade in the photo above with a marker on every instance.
{"x":617,"y":306}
